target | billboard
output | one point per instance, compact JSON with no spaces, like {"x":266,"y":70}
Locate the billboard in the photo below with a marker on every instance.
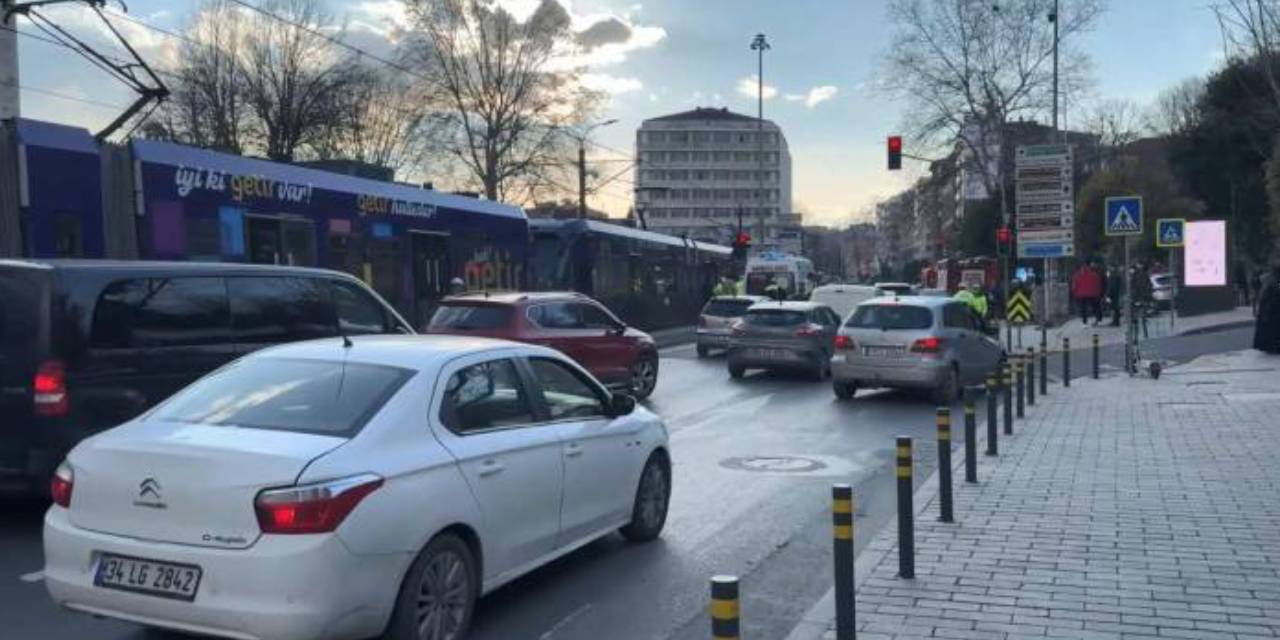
{"x":1206,"y":254}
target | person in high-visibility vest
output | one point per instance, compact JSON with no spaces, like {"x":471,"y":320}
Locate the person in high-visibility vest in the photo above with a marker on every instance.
{"x":975,"y":298}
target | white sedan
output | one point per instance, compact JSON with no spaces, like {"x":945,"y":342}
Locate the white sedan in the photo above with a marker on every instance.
{"x":343,"y":489}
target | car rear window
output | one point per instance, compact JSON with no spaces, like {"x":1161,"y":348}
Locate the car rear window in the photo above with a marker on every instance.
{"x":890,"y":316}
{"x":307,"y":396}
{"x":470,"y":317}
{"x":727,"y":308}
{"x":774,"y":317}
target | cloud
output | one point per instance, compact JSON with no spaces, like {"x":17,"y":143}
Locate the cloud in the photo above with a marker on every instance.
{"x":611,"y":30}
{"x":750,"y":87}
{"x":610,"y":84}
{"x":818,"y":95}
{"x":793,"y":97}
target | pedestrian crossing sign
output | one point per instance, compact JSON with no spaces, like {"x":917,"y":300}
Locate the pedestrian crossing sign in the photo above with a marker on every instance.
{"x":1124,"y":216}
{"x":1170,"y":232}
{"x":1018,"y":311}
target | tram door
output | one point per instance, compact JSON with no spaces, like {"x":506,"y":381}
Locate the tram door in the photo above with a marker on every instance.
{"x":285,"y":241}
{"x":430,"y":273}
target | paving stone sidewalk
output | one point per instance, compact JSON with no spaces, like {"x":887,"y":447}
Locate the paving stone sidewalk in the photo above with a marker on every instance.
{"x":1120,"y":509}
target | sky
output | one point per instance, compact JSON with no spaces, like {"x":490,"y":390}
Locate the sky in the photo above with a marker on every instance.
{"x":824,"y":76}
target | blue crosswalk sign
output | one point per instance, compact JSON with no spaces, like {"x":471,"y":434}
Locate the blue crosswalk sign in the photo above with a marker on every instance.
{"x":1124,"y":216}
{"x":1170,"y":232}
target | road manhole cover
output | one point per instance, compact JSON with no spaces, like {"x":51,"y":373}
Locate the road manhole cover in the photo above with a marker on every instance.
{"x":774,"y":464}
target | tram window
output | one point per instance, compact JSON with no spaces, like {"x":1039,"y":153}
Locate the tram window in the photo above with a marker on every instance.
{"x":68,"y":233}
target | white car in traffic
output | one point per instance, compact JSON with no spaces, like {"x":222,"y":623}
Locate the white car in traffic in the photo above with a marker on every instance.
{"x":346,"y":489}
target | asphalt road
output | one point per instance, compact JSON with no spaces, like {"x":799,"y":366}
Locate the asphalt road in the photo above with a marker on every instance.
{"x":753,"y":462}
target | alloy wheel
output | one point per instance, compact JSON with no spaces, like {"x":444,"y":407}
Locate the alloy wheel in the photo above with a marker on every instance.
{"x":443,"y":598}
{"x":653,"y":497}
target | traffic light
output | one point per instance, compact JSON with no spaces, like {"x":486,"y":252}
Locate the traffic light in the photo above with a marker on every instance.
{"x":741,"y":243}
{"x":895,"y":153}
{"x":1003,"y":235}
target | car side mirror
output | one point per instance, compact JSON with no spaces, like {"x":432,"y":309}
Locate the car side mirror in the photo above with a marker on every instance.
{"x":621,"y":404}
{"x":618,"y":329}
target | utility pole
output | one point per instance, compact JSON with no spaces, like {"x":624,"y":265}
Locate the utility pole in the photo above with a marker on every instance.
{"x":10,"y":98}
{"x":760,"y":45}
{"x":1049,"y":278}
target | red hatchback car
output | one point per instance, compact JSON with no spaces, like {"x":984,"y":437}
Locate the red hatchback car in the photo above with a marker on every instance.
{"x":621,"y":357}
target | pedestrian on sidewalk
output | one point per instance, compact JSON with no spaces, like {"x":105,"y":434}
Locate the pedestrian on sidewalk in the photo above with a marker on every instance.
{"x":1266,"y":332}
{"x":1086,"y":288}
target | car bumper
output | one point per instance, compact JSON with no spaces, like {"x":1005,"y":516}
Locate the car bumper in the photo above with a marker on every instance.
{"x":713,"y":339}
{"x":921,"y":374}
{"x":282,"y":588}
{"x":750,"y":358}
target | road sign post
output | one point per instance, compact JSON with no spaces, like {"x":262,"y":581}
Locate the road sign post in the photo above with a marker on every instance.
{"x":1045,"y":190}
{"x":1171,"y":233}
{"x":1123,"y":217}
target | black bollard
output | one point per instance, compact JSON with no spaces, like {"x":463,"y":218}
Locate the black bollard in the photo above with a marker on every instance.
{"x":724,"y":608}
{"x":842,"y":550}
{"x":944,"y":464}
{"x":1020,"y":391}
{"x":906,"y":512}
{"x":1031,"y":376}
{"x":1006,"y":390}
{"x":970,"y":437}
{"x":1066,"y":362}
{"x":1096,"y":356}
{"x":1044,"y":370}
{"x":992,"y":432}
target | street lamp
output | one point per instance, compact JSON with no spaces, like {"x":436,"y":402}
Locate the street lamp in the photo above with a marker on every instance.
{"x":582,"y":164}
{"x":760,"y":44}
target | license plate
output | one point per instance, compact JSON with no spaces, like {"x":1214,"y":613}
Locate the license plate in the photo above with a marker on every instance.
{"x":883,"y":352}
{"x":771,"y":354}
{"x":151,"y":577}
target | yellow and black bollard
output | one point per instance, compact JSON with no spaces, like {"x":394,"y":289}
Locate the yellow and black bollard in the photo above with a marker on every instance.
{"x":1020,"y":389}
{"x":906,"y":512}
{"x":1096,"y":357}
{"x":993,"y":388}
{"x":1007,"y":391}
{"x":944,"y":464}
{"x":842,"y":540}
{"x":724,"y":608}
{"x":1044,"y":370}
{"x":1066,"y":362}
{"x":1031,"y":376}
{"x":970,"y":436}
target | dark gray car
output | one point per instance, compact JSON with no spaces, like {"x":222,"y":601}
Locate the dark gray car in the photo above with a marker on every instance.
{"x":797,"y":336}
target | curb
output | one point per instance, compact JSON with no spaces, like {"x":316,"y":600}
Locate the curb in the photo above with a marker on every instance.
{"x":1215,"y":328}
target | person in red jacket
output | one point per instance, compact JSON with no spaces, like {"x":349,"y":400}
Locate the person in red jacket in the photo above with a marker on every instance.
{"x":1086,"y":288}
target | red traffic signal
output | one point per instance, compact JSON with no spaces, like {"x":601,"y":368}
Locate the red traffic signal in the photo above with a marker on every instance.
{"x":1003,"y":235}
{"x":743,"y":239}
{"x":895,"y":153}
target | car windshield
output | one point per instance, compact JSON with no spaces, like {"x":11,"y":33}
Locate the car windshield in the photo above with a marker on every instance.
{"x":774,"y":317}
{"x":308,"y":396}
{"x":469,"y":317}
{"x":727,"y":308}
{"x":890,"y":316}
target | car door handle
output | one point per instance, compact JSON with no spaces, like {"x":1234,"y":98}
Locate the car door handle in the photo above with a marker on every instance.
{"x":491,"y":467}
{"x":572,"y":450}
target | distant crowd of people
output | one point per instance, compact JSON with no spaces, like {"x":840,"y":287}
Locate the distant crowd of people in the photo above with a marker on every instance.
{"x":1093,"y":286}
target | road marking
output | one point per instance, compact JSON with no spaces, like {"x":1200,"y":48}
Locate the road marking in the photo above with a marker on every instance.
{"x":565,"y":622}
{"x":34,"y":576}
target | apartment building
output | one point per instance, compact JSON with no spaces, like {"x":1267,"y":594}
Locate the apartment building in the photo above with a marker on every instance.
{"x":699,"y":170}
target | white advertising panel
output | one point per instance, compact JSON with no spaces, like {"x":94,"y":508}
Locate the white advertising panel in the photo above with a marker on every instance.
{"x":1206,"y":251}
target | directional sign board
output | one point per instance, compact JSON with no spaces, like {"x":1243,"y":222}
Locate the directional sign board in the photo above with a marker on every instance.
{"x":1124,"y":216}
{"x":1171,"y":232}
{"x":1018,"y":311}
{"x":1044,"y":191}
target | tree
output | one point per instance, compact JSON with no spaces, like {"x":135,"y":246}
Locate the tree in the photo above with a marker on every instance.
{"x":207,"y":105}
{"x":294,"y":76}
{"x":251,"y":82}
{"x":966,"y":67}
{"x":1222,"y":156}
{"x":506,"y":92}
{"x":1176,"y":109}
{"x":1250,"y":32}
{"x":1129,"y":175}
{"x":382,"y":120}
{"x":1273,"y":197}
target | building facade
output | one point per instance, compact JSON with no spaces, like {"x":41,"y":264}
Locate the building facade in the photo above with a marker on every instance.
{"x":699,"y":171}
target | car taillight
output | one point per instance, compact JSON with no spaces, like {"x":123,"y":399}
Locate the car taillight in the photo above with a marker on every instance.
{"x":60,"y":487}
{"x":50,"y":386}
{"x":845,"y":343}
{"x":931,"y":344}
{"x":809,"y":330}
{"x":312,"y":508}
